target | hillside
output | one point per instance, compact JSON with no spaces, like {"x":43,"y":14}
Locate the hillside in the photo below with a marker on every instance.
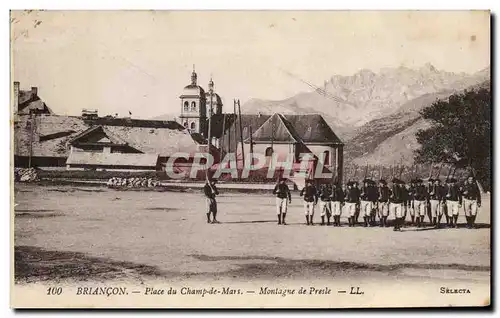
{"x":391,"y":139}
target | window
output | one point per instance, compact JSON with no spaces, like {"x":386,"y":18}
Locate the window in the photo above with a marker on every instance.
{"x":308,"y":134}
{"x":193,"y":125}
{"x":193,"y":106}
{"x":186,"y":106}
{"x":186,"y":124}
{"x":326,"y":157}
{"x":269,"y":152}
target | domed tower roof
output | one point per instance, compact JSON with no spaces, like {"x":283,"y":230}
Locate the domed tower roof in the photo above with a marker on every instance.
{"x":193,"y":89}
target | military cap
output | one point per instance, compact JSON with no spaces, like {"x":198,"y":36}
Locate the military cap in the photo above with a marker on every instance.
{"x":366,"y":180}
{"x":430,"y":180}
{"x":452,"y":180}
{"x":418,"y":180}
{"x":395,"y":180}
{"x":382,"y":181}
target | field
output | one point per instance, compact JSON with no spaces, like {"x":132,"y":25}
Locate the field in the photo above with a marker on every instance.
{"x":94,"y":234}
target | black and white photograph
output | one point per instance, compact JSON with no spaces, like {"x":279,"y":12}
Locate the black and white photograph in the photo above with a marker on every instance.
{"x":250,"y":159}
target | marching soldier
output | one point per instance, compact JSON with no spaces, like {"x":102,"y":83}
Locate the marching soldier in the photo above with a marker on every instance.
{"x":436,"y":200}
{"x":397,"y":199}
{"x":337,"y":200}
{"x":472,"y":201}
{"x":310,"y":195}
{"x":355,"y":184}
{"x":430,"y":183}
{"x":352,"y":201}
{"x":210,"y":191}
{"x":453,"y":201}
{"x":383,"y":202}
{"x":283,"y":198}
{"x":406,"y":195}
{"x":325,"y":206}
{"x":420,"y":197}
{"x":368,"y":199}
{"x":409,"y":208}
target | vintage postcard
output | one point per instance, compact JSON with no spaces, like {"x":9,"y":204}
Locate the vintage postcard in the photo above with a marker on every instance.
{"x":250,"y":159}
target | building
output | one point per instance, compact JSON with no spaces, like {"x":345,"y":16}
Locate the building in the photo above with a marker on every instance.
{"x":197,"y":106}
{"x":91,"y":142}
{"x":280,"y":134}
{"x":28,"y":102}
{"x":73,"y":142}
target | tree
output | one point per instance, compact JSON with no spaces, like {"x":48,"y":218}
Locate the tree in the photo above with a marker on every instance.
{"x":460,"y":133}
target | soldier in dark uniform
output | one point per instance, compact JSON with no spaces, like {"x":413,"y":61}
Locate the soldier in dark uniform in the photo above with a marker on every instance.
{"x":355,"y":184}
{"x":397,"y":200}
{"x":337,"y":200}
{"x":410,"y":188}
{"x":471,"y":201}
{"x":420,"y":199}
{"x":325,"y":207}
{"x":369,"y":197}
{"x":453,"y":201}
{"x":429,"y":186}
{"x":283,"y":198}
{"x":352,"y":201}
{"x":310,"y":194}
{"x":210,"y":191}
{"x":383,"y":202}
{"x":437,"y":201}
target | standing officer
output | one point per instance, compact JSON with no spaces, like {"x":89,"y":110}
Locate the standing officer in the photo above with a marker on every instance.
{"x":397,"y":199}
{"x":368,"y":199}
{"x":472,"y":201}
{"x":310,"y":194}
{"x":420,"y":198}
{"x":283,"y":198}
{"x":352,"y":201}
{"x":453,"y":201}
{"x":337,"y":200}
{"x":325,"y":206}
{"x":210,"y":191}
{"x":383,"y":202}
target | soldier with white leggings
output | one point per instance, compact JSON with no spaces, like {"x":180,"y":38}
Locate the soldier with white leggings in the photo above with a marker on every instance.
{"x":310,"y":195}
{"x":420,"y":197}
{"x":351,"y":201}
{"x":471,"y":201}
{"x":383,"y":202}
{"x":337,"y":200}
{"x":396,"y":206}
{"x":325,"y":206}
{"x":369,"y":197}
{"x":453,"y":201}
{"x":436,"y":200}
{"x":283,"y":198}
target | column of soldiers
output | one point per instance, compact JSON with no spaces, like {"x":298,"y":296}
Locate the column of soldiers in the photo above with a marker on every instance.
{"x":397,"y":201}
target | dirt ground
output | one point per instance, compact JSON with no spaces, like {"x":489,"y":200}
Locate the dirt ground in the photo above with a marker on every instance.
{"x":96,"y":234}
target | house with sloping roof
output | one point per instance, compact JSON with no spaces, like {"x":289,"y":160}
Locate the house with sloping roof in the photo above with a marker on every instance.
{"x":28,"y":101}
{"x":69,"y":141}
{"x":281,"y":134}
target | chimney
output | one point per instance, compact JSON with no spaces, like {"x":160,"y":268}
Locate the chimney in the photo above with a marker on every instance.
{"x":34,"y":91}
{"x":15,"y":97}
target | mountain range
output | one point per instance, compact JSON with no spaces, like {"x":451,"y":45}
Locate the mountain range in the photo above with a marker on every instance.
{"x":376,"y":114}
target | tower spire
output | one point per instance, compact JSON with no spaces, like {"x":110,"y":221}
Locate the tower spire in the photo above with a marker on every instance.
{"x":211,"y":84}
{"x":194,"y":77}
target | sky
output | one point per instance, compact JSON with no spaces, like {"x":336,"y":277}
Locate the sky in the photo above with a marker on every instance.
{"x":139,"y":61}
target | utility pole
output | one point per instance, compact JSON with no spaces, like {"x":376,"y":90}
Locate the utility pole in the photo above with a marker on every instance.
{"x":209,"y":143}
{"x":241,"y":134}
